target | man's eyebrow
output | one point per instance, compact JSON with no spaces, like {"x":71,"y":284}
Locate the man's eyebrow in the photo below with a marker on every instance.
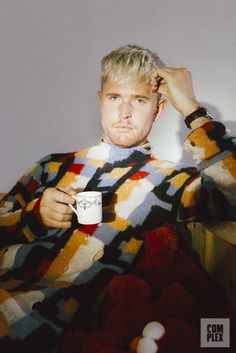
{"x":140,"y":96}
{"x":111,"y":94}
{"x":132,"y":95}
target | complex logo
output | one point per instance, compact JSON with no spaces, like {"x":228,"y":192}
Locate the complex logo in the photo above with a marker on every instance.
{"x":215,"y":332}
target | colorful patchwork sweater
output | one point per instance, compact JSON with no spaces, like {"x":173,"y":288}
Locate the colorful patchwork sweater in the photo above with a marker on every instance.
{"x":49,"y":275}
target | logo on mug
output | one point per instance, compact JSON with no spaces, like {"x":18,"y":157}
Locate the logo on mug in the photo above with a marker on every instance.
{"x":86,"y":204}
{"x":88,"y":207}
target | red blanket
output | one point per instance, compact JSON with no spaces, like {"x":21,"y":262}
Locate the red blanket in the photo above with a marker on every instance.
{"x":166,"y":285}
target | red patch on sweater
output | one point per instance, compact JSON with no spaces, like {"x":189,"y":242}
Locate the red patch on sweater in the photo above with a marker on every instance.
{"x":139,"y":175}
{"x":44,"y":265}
{"x":76,"y":168}
{"x":32,"y":185}
{"x":208,"y":126}
{"x":88,"y":229}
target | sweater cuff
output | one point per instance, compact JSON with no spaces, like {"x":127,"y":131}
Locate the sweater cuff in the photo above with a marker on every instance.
{"x":208,"y":141}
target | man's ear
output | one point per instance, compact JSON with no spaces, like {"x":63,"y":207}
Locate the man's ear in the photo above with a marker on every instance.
{"x":160,"y":109}
{"x":99,"y":95}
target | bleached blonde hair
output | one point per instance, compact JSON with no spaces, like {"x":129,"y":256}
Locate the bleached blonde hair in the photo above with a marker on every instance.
{"x":129,"y":64}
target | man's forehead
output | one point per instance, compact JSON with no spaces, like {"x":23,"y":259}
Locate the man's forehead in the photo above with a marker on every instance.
{"x":140,"y":88}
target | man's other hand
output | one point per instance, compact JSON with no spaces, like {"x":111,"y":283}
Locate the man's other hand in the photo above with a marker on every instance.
{"x":176,"y":85}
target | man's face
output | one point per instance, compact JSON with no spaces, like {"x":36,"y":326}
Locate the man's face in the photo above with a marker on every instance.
{"x":127,"y":112}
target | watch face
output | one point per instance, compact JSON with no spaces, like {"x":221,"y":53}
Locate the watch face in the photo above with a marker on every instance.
{"x":208,"y":115}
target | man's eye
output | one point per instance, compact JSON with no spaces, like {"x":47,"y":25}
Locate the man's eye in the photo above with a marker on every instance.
{"x":113,"y":98}
{"x":140,"y":100}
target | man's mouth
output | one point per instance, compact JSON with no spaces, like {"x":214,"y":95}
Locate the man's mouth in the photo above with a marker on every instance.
{"x":123,"y":128}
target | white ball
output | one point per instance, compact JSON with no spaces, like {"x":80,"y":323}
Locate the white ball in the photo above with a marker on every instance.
{"x":147,"y":345}
{"x":154,"y":330}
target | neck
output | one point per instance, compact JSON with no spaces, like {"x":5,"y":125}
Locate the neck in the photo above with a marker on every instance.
{"x":142,"y":144}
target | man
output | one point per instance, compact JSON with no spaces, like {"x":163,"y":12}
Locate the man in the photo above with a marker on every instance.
{"x":49,"y":261}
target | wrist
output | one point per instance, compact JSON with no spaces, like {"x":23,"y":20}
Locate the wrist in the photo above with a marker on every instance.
{"x":199,"y":122}
{"x":190,"y":108}
{"x":197,"y":118}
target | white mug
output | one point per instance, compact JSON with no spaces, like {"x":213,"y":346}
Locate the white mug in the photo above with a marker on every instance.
{"x":88,"y":207}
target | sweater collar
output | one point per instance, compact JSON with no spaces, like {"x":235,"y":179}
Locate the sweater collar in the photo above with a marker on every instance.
{"x":107,"y":152}
{"x":145,"y":148}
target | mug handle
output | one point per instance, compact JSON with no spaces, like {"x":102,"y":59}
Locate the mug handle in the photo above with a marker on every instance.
{"x":72,"y":207}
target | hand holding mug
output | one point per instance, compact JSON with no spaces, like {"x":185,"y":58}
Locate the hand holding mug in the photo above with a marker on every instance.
{"x":54,"y":207}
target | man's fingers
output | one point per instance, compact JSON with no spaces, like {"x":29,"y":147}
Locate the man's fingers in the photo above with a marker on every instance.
{"x":158,"y":79}
{"x":156,"y":82}
{"x":61,"y":208}
{"x":58,"y":204}
{"x":60,"y":217}
{"x":56,"y":224}
{"x":57,"y":195}
{"x":177,"y":87}
{"x":162,"y":89}
{"x":68,"y":190}
{"x":63,"y":197}
{"x":159,"y":86}
{"x":161,"y":72}
{"x":166,"y":72}
{"x":49,"y":213}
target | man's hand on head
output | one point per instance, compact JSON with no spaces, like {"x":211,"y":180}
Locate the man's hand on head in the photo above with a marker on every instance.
{"x":54,"y":209}
{"x":176,"y":85}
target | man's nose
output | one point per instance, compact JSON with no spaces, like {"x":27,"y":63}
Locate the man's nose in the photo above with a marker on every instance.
{"x":125,"y":110}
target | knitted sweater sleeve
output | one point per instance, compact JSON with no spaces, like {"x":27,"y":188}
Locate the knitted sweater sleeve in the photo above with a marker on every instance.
{"x":210,"y":192}
{"x":19,"y":210}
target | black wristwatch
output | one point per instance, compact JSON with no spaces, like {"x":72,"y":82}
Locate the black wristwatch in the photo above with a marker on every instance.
{"x":200,"y":112}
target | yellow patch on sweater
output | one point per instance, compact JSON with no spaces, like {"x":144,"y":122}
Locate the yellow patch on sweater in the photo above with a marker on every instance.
{"x":96,"y":162}
{"x":68,"y":179}
{"x":188,"y":198}
{"x":54,"y":166}
{"x":12,"y":284}
{"x":20,"y":199}
{"x":117,"y":173}
{"x":199,"y":139}
{"x":124,"y":191}
{"x":132,"y":246}
{"x":60,"y":263}
{"x":4,"y":295}
{"x":30,"y":206}
{"x":179,"y":179}
{"x":9,"y":218}
{"x":156,"y":162}
{"x":229,"y":164}
{"x":119,"y":223}
{"x":82,"y":153}
{"x":70,"y":307}
{"x":27,"y":233}
{"x":167,"y":170}
{"x":5,"y":328}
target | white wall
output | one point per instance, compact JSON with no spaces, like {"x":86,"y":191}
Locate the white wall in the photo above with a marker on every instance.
{"x":50,"y":62}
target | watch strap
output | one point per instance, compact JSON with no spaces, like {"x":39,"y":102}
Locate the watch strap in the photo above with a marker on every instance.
{"x":200,"y":112}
